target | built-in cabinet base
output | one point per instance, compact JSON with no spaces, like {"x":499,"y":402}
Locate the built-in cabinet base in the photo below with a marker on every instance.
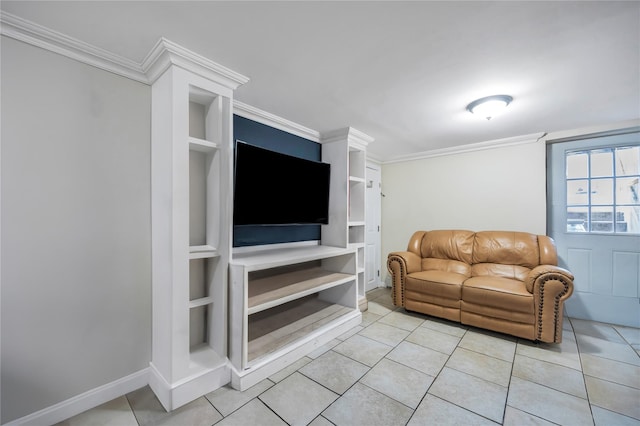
{"x":293,"y":351}
{"x":285,"y":303}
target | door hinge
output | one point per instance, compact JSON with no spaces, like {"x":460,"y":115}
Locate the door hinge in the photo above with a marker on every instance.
{"x":378,"y":272}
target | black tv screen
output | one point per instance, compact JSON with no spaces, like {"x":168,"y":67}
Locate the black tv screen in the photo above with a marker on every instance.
{"x":271,"y":188}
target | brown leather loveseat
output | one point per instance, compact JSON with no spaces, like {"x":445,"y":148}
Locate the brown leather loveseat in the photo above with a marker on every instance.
{"x":503,"y":281}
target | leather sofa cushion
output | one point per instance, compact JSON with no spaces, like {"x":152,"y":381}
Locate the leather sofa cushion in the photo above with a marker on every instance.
{"x":436,"y":283}
{"x":516,"y":272}
{"x":446,"y":265}
{"x":498,"y":292}
{"x":507,"y":248}
{"x":448,"y":244}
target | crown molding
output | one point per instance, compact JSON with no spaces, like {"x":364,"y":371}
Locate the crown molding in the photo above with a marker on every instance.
{"x":260,"y":116}
{"x":36,"y":35}
{"x":498,"y":143}
{"x":166,"y":53}
{"x":353,"y":136}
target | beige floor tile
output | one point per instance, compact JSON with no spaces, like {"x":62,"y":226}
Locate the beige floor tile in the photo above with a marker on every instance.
{"x":549,"y":404}
{"x":441,"y":342}
{"x":384,"y":333}
{"x":604,"y":417}
{"x":290,"y":369}
{"x":378,"y":308}
{"x":630,"y":334}
{"x":435,"y":411}
{"x":324,"y":348}
{"x":558,"y":377}
{"x":480,"y":396}
{"x":227,"y":400}
{"x":253,"y":413}
{"x":398,"y":381}
{"x":566,"y":324}
{"x":607,"y":349}
{"x":335,"y":371}
{"x":363,"y":349}
{"x":354,"y":330}
{"x":565,"y":353}
{"x":298,"y":399}
{"x":596,"y":329}
{"x":362,"y":405}
{"x":418,"y":357}
{"x":149,"y":411}
{"x":487,"y":343}
{"x":320,"y":421}
{"x":614,"y":397}
{"x":483,"y":366}
{"x":515,"y":417}
{"x":116,"y":412}
{"x":610,"y":370}
{"x":444,"y":326}
{"x":402,"y":320}
{"x":369,"y":318}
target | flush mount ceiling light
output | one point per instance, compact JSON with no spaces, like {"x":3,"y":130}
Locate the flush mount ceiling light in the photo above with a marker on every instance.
{"x":489,"y":106}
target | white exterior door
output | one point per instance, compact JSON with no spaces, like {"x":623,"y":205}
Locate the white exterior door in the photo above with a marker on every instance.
{"x":372,"y":239}
{"x":593,"y":206}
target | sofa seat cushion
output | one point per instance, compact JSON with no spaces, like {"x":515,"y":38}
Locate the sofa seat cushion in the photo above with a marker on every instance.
{"x":500,"y":293}
{"x":435,"y":286}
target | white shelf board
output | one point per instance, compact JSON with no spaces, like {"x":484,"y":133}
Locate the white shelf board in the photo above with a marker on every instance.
{"x":202,"y":145}
{"x":283,"y":328}
{"x":356,"y":245}
{"x":265,"y":293}
{"x":356,"y":223}
{"x":202,"y":301}
{"x":265,"y":259}
{"x":356,"y":179}
{"x":201,"y":252}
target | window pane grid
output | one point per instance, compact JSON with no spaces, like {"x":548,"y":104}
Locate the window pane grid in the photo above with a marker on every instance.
{"x":603,"y":190}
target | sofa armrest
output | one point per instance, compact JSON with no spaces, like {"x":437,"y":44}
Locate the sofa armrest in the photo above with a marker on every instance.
{"x":550,"y":286}
{"x":400,"y":264}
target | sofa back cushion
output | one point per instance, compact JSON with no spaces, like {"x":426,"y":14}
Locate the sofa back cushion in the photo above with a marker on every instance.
{"x":506,"y":248}
{"x":448,"y":245}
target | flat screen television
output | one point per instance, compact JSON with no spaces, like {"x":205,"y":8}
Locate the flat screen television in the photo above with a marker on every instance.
{"x":271,"y":188}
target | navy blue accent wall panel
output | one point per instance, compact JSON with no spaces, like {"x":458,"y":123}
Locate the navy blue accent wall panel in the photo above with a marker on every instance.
{"x":264,"y":136}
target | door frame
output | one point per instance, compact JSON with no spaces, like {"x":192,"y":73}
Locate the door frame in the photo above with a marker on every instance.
{"x":377,"y":239}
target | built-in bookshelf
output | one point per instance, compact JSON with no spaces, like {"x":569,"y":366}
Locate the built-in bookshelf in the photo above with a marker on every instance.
{"x":346,"y":151}
{"x":191,"y":158}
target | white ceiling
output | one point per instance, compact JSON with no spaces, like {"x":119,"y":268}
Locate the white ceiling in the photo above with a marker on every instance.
{"x":401,"y":72}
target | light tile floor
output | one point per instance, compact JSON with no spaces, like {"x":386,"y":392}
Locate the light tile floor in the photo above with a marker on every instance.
{"x":399,"y":368}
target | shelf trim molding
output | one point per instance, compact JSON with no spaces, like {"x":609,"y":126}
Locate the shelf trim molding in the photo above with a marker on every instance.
{"x":354,"y":136}
{"x":164,"y":54}
{"x":256,"y":114}
{"x":498,"y":143}
{"x":39,"y":36}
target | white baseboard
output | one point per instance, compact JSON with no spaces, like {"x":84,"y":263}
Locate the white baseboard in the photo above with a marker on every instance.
{"x":85,"y":401}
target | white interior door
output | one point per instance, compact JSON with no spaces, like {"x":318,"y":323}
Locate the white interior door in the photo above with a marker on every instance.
{"x":593,"y":214}
{"x":372,"y":239}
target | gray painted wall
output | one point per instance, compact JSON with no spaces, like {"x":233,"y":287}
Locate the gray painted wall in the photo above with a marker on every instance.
{"x":76,"y":240}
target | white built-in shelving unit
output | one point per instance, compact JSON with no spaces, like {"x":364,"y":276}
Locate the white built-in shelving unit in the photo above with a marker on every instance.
{"x":220,"y":316}
{"x":345,"y":150}
{"x":191,"y":157}
{"x":286,"y":302}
